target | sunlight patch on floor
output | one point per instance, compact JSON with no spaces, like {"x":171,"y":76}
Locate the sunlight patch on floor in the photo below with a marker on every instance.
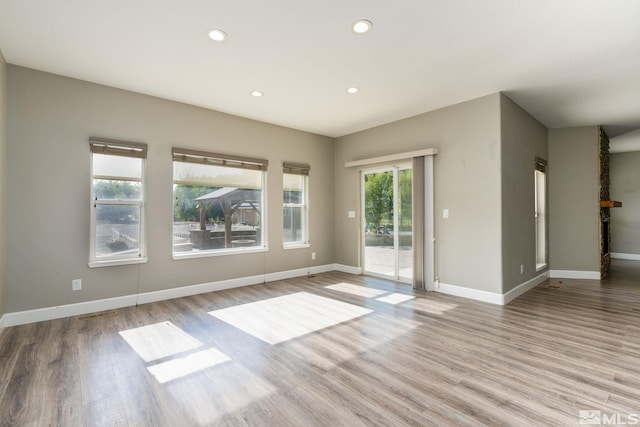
{"x":395,"y":298}
{"x":280,"y":319}
{"x":183,"y":366}
{"x":356,"y":290}
{"x":431,"y":306}
{"x":159,"y":340}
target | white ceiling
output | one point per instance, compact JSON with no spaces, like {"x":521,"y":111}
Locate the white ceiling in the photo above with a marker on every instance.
{"x":567,"y":62}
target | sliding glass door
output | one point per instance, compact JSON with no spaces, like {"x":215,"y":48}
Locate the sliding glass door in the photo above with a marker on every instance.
{"x":387,"y":222}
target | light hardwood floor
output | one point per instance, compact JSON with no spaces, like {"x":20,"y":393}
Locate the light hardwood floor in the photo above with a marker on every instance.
{"x":431,"y":360}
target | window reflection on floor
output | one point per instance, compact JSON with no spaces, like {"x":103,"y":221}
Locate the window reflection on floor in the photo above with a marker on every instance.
{"x":163,"y":340}
{"x":183,"y":366}
{"x":395,"y":298}
{"x":280,"y":319}
{"x":160,"y":340}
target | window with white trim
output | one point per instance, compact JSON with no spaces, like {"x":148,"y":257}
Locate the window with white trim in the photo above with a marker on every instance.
{"x":117,"y":202}
{"x":540,"y":212}
{"x":218,"y":203}
{"x":295,"y":220}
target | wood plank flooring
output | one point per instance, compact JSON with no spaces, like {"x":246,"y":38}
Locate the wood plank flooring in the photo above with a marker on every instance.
{"x":431,"y":360}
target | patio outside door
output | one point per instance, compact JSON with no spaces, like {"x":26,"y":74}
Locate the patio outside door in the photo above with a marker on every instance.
{"x":387,"y":223}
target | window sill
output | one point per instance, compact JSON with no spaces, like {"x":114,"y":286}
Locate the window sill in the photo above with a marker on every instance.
{"x":296,"y":246}
{"x":206,"y":254}
{"x":114,"y":262}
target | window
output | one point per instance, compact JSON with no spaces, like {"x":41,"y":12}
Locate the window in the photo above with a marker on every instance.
{"x":295,"y":218}
{"x":387,"y":203}
{"x":540,"y":185}
{"x":117,"y":209}
{"x":218,"y":203}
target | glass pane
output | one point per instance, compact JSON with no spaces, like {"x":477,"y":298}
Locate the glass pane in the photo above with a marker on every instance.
{"x":540,"y":218}
{"x":117,"y":230}
{"x":215,"y":176}
{"x":107,"y":189}
{"x":378,"y":205}
{"x":117,"y":166}
{"x":293,"y":189}
{"x":405,"y":224}
{"x":292,"y":226}
{"x":209,"y":214}
{"x":388,"y":247}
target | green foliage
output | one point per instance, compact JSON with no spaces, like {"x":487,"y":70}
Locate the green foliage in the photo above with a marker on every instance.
{"x":187,"y":208}
{"x":378,"y":188}
{"x":116,"y":190}
{"x":405,"y":196}
{"x":111,"y":189}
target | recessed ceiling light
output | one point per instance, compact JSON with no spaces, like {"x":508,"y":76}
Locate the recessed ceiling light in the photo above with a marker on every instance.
{"x":353,"y":90}
{"x":217,"y":35}
{"x":361,"y":26}
{"x":256,"y":93}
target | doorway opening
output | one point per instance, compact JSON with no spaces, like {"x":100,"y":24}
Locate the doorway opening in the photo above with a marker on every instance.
{"x":387,"y":222}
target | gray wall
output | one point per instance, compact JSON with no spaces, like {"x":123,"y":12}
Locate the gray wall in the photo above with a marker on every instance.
{"x":625,"y":187}
{"x":467,"y":182}
{"x":574,"y":205}
{"x":523,"y":139}
{"x":50,"y":119}
{"x":3,"y":180}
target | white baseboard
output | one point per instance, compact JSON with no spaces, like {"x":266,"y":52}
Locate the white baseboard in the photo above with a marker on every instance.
{"x":492,"y":297}
{"x":524,"y":287}
{"x":574,"y":274}
{"x":67,"y":310}
{"x":461,"y":291}
{"x":618,"y":255}
{"x":50,"y":313}
{"x":290,"y":274}
{"x":201,"y":288}
{"x":347,"y":269}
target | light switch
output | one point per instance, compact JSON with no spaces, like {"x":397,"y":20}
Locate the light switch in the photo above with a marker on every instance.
{"x":445,"y":213}
{"x":351,"y":214}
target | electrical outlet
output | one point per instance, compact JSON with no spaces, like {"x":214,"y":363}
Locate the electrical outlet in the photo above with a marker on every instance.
{"x":521,"y":268}
{"x":76,"y":284}
{"x":313,"y":255}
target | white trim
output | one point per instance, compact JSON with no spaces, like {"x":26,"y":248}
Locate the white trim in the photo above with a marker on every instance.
{"x":392,"y":157}
{"x":290,"y":274}
{"x":57,"y":312}
{"x":114,"y":261}
{"x":618,"y":255}
{"x":574,"y":274}
{"x":476,"y":294}
{"x":347,"y":269}
{"x":524,"y":287}
{"x":184,"y":291}
{"x":289,"y":246}
{"x":541,"y":266}
{"x":219,"y":252}
{"x":77,"y":309}
{"x":492,"y":297}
